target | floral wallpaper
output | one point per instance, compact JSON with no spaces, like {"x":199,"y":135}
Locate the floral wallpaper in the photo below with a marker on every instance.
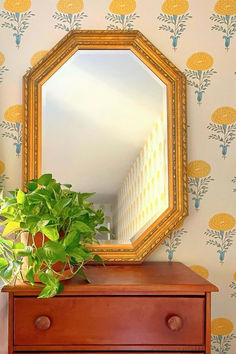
{"x":199,"y":38}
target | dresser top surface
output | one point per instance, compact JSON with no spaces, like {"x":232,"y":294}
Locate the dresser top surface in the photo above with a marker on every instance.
{"x":147,"y":278}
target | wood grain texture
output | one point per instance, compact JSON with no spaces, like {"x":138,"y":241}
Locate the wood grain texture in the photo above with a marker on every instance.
{"x":109,"y":320}
{"x":118,"y":349}
{"x":10,"y":322}
{"x":149,"y":278}
{"x":208,"y":323}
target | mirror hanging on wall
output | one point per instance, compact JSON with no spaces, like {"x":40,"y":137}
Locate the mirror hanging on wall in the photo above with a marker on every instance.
{"x":104,"y":130}
{"x":105,"y":111}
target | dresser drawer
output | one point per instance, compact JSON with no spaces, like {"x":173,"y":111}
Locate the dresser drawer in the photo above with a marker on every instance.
{"x":109,"y":320}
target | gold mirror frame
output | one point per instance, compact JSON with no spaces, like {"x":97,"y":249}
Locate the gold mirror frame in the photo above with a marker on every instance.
{"x":177,"y":128}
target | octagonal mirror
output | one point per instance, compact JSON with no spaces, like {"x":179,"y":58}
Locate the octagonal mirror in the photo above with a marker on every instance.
{"x":105,"y":112}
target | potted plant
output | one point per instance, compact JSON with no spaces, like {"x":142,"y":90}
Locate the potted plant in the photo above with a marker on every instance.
{"x":45,"y":234}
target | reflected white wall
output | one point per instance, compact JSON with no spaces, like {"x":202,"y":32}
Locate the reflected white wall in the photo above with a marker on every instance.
{"x":98,"y":113}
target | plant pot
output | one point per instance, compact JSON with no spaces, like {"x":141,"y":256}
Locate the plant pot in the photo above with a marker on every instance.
{"x":39,"y":240}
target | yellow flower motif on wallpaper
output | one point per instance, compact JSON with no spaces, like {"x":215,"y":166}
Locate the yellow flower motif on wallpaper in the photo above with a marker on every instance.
{"x":69,"y":14}
{"x":17,"y":17}
{"x":3,"y":68}
{"x":222,"y":221}
{"x":233,"y":285}
{"x":174,"y":17}
{"x":222,"y":336}
{"x":14,"y":114}
{"x":225,"y":19}
{"x":12,"y":126}
{"x":175,"y":7}
{"x":223,"y":127}
{"x":198,"y":169}
{"x":70,"y":6}
{"x":221,"y":233}
{"x":3,"y":177}
{"x":17,"y":5}
{"x":200,"y":270}
{"x":224,"y":115}
{"x":199,"y":73}
{"x":2,"y":167}
{"x":198,"y":179}
{"x":122,"y":7}
{"x":122,"y":14}
{"x":200,"y":61}
{"x":2,"y":58}
{"x":37,"y":57}
{"x":221,"y":326}
{"x":225,"y":7}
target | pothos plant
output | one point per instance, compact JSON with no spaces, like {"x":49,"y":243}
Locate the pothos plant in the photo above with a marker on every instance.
{"x":67,"y":223}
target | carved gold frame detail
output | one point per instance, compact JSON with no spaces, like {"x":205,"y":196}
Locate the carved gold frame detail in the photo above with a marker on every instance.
{"x":177,"y":128}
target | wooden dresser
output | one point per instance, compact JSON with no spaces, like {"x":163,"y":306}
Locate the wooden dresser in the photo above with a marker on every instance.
{"x":154,"y":307}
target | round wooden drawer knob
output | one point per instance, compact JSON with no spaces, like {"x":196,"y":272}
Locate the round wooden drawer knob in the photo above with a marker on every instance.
{"x":42,"y":323}
{"x":175,"y":323}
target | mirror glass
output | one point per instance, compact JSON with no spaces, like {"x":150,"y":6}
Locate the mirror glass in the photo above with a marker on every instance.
{"x":104,"y":130}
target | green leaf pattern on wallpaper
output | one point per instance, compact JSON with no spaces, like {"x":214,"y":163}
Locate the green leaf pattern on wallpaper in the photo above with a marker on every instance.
{"x":122,"y":15}
{"x":223,"y":127}
{"x":198,"y":180}
{"x":12,"y":126}
{"x":17,"y":17}
{"x":224,"y":18}
{"x":175,"y":19}
{"x":234,"y":181}
{"x":69,"y":15}
{"x":173,"y":242}
{"x":233,"y":286}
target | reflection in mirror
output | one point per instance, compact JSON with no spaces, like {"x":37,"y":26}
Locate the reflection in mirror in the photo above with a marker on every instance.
{"x":104,"y":130}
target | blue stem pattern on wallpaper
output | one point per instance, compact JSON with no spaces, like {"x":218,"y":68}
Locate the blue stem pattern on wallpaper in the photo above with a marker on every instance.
{"x":222,"y":240}
{"x":121,"y":22}
{"x":175,"y":24}
{"x":198,"y":187}
{"x":221,"y":344}
{"x":173,"y":241}
{"x":225,"y":24}
{"x":200,"y":80}
{"x":17,"y":22}
{"x":224,"y":133}
{"x":13,"y":131}
{"x":69,"y":22}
